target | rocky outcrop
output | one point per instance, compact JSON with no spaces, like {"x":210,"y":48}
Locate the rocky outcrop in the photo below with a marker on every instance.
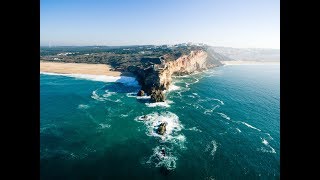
{"x":195,"y":61}
{"x":162,"y":128}
{"x":157,"y":78}
{"x":140,"y":93}
{"x":157,"y":95}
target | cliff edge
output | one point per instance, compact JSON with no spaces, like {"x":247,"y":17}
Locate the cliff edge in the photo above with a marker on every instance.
{"x":158,"y":77}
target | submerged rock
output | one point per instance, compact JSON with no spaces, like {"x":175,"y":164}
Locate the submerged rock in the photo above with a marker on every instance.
{"x":140,"y":93}
{"x":162,"y":128}
{"x":157,"y":96}
{"x":144,"y":118}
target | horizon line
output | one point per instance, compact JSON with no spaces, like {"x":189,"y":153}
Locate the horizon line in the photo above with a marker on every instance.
{"x":96,"y":45}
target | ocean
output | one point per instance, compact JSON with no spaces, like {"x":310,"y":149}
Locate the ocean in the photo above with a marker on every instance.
{"x":223,"y":123}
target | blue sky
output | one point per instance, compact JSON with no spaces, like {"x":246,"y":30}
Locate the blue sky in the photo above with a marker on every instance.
{"x":230,"y":23}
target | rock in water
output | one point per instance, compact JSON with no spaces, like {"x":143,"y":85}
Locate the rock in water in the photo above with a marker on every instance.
{"x":140,"y":93}
{"x":162,"y":128}
{"x":157,"y":96}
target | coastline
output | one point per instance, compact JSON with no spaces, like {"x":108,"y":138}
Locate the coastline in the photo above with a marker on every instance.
{"x":250,"y":62}
{"x":80,"y":68}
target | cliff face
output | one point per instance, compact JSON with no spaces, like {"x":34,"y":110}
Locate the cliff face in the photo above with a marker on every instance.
{"x":158,"y":77}
{"x":195,"y":61}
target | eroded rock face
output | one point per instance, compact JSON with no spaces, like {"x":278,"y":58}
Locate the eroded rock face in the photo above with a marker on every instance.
{"x":157,"y":95}
{"x":159,"y":76}
{"x":140,"y":93}
{"x":195,"y":61}
{"x":162,"y":128}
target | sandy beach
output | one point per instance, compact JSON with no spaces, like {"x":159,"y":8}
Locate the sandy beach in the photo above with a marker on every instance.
{"x":79,"y":68}
{"x":249,"y":62}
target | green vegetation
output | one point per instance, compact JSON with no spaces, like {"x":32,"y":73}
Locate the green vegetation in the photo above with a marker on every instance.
{"x":119,"y":57}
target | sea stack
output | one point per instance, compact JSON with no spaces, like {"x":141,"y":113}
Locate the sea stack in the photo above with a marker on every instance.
{"x":162,"y":128}
{"x":157,"y":95}
{"x":140,"y":93}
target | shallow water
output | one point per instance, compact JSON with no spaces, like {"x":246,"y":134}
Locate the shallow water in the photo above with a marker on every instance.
{"x":222,"y":124}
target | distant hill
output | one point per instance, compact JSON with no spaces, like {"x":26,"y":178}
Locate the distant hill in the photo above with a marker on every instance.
{"x":248,"y":54}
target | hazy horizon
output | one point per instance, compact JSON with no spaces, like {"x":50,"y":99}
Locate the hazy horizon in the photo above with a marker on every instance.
{"x":229,"y":23}
{"x":53,"y":46}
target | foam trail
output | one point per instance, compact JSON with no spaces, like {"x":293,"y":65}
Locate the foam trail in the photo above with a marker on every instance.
{"x":238,"y":130}
{"x":126,"y":80}
{"x":214,"y":148}
{"x":248,"y":125}
{"x":269,"y":136}
{"x":108,"y":94}
{"x":211,"y":110}
{"x":83,"y":106}
{"x":161,"y":104}
{"x":224,"y":116}
{"x":222,"y":103}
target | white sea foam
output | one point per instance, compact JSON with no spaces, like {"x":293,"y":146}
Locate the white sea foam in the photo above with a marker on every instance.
{"x":269,"y":136}
{"x":134,"y":95}
{"x":248,"y":125}
{"x":213,"y":146}
{"x":130,"y":81}
{"x":160,"y":104}
{"x":108,"y":94}
{"x":238,"y":130}
{"x":212,"y":99}
{"x":143,"y":97}
{"x":191,"y":96}
{"x":103,"y":126}
{"x":222,"y":103}
{"x":173,"y":87}
{"x":209,"y":111}
{"x":104,"y":96}
{"x":173,"y":127}
{"x":224,"y":116}
{"x":196,"y":94}
{"x":194,"y":129}
{"x":266,"y":143}
{"x":83,"y":106}
{"x":159,"y":160}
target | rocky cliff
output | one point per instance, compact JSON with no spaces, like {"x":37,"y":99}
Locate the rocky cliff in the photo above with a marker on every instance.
{"x":157,"y":78}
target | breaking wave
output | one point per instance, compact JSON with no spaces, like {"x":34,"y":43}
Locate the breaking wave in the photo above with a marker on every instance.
{"x":173,"y":127}
{"x":159,"y":160}
{"x":126,"y":80}
{"x":159,"y":104}
{"x":252,"y":127}
{"x":266,"y":143}
{"x":224,"y":116}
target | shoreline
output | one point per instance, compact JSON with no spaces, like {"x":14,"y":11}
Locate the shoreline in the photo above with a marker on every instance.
{"x":250,"y":62}
{"x":80,"y":68}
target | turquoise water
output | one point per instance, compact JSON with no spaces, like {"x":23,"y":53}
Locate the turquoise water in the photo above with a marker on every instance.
{"x":222,"y":124}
